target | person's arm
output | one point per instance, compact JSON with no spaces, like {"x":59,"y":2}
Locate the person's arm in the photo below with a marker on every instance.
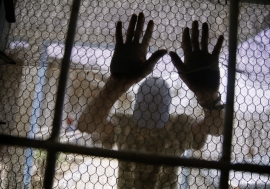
{"x":200,"y":72}
{"x":128,"y":66}
{"x":211,"y":124}
{"x":95,"y":117}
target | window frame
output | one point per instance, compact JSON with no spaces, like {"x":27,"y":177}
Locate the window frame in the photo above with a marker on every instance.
{"x":53,"y":147}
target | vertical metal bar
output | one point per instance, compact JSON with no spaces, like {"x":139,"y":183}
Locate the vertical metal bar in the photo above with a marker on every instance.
{"x":4,"y":27}
{"x":2,"y":19}
{"x":65,"y":71}
{"x":52,"y":155}
{"x":229,"y":114}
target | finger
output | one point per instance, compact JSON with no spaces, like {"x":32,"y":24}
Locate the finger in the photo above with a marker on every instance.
{"x":118,"y":33}
{"x":180,"y":66}
{"x":205,"y":36}
{"x":154,"y":58}
{"x":195,"y":36}
{"x":148,"y":34}
{"x":131,"y":28}
{"x":177,"y":62}
{"x":218,"y":46}
{"x":139,"y":28}
{"x":186,"y":43}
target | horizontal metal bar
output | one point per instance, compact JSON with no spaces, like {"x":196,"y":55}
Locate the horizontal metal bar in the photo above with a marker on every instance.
{"x":225,"y":2}
{"x":262,"y":2}
{"x":131,"y":156}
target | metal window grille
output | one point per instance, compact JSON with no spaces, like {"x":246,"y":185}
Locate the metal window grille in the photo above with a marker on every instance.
{"x":40,"y":150}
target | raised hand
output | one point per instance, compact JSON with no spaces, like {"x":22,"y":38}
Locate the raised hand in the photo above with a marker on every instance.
{"x":129,"y":59}
{"x":200,"y":69}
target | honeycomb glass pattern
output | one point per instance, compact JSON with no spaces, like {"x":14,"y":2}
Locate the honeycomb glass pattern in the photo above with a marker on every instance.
{"x":248,"y":180}
{"x":36,"y":42}
{"x":22,"y":167}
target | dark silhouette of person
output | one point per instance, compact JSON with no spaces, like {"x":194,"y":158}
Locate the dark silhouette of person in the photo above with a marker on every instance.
{"x":151,"y":128}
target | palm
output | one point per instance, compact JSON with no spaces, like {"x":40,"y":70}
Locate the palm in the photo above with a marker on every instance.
{"x":200,"y":69}
{"x":129,"y":59}
{"x":202,"y":72}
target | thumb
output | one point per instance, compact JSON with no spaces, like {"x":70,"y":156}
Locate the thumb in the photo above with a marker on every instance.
{"x":180,"y":66}
{"x":155,"y":57}
{"x":177,"y":62}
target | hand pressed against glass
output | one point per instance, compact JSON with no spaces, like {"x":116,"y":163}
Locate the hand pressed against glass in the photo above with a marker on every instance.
{"x":200,"y":69}
{"x":129,"y":59}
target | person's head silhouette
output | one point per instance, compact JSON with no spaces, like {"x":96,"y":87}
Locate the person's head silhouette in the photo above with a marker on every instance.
{"x":152,"y":105}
